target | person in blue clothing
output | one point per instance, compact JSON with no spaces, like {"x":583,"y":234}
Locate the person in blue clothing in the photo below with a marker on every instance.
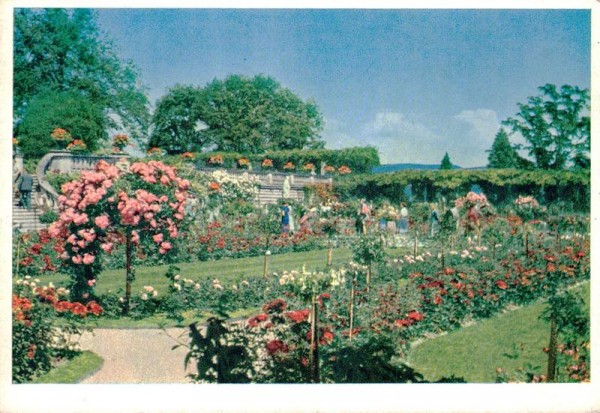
{"x":285,"y":217}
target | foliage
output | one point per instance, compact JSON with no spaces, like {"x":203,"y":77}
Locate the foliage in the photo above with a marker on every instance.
{"x":58,"y":179}
{"x":48,"y":217}
{"x":556,"y":126}
{"x":36,"y":253}
{"x":500,"y":185}
{"x":177,"y":120}
{"x":64,"y":51}
{"x":446,"y":163}
{"x":502,"y":155}
{"x":251,"y":115}
{"x":69,"y":110}
{"x":44,"y":327}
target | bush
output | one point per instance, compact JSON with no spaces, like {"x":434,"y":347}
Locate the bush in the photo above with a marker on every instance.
{"x":44,"y":325}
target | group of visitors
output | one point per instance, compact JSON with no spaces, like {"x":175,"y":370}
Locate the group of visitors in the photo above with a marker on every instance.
{"x":439,"y":217}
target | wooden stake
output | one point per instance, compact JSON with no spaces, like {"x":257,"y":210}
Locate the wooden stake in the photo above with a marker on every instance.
{"x":313,"y":356}
{"x":551,"y":373}
{"x":128,"y":274}
{"x":351,"y":311}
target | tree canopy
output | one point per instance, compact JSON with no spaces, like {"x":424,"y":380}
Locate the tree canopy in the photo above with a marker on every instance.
{"x":176,"y":121}
{"x":556,"y":126}
{"x":63,"y":50}
{"x":239,"y":114}
{"x":48,"y":110}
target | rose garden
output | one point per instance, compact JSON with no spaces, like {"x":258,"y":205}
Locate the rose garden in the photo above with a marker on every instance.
{"x":180,"y":241}
{"x":216,"y":218}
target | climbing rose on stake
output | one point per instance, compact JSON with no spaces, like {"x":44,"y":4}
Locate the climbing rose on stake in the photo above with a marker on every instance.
{"x":106,"y":206}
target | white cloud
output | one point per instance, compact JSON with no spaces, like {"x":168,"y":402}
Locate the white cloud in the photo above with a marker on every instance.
{"x":408,"y":138}
{"x":483,"y":122}
{"x":403,"y":138}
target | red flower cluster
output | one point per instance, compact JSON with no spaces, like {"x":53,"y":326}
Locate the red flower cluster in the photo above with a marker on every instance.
{"x":275,"y":347}
{"x":298,"y":316}
{"x":275,"y":307}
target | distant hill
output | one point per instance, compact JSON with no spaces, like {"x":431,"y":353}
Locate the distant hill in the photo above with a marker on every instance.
{"x":393,"y":167}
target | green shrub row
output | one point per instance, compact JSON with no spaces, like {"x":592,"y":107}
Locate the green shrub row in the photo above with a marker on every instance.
{"x":499,"y":185}
{"x":358,"y":159}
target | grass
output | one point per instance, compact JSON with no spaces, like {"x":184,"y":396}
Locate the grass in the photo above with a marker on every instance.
{"x":510,"y":340}
{"x":73,"y":370}
{"x":161,"y":321}
{"x":227,"y":270}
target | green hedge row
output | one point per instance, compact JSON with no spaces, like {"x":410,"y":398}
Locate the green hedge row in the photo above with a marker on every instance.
{"x":499,"y":185}
{"x":358,"y":159}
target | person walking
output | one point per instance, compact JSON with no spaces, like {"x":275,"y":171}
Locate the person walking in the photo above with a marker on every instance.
{"x":403,"y":222}
{"x":25,"y":185}
{"x":285,"y":217}
{"x":434,"y":221}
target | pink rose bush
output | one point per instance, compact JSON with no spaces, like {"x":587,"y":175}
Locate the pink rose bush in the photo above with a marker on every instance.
{"x":107,"y":206}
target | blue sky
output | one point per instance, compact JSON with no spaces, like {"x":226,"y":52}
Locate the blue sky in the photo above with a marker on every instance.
{"x":413,"y":83}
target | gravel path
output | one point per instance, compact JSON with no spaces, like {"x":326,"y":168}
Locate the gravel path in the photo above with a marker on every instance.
{"x":138,"y":355}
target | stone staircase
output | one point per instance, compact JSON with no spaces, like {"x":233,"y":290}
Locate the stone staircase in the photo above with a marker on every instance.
{"x":27,"y":220}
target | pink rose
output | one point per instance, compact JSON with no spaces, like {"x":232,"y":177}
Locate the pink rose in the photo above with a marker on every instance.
{"x":102,"y":221}
{"x":158,"y":238}
{"x":88,"y":258}
{"x":76,"y":259}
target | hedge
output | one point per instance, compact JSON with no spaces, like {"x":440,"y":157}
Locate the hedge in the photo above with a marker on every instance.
{"x":358,"y":159}
{"x":499,"y":185}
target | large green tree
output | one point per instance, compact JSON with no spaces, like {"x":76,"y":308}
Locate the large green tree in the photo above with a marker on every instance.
{"x":176,"y":121}
{"x":556,"y":126}
{"x":48,"y":110}
{"x":64,"y":50}
{"x":252,"y":115}
{"x":502,"y":154}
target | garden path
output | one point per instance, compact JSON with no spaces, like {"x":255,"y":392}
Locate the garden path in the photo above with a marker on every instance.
{"x":137,"y":355}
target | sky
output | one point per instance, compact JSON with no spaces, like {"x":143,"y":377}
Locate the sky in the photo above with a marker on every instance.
{"x":413,"y":83}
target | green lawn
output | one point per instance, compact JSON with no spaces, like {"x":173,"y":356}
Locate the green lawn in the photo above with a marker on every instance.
{"x":226,"y":270}
{"x":475,"y":352}
{"x":72,"y":371}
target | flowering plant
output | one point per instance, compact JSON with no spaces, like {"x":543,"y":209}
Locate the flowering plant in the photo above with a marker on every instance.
{"x":243,"y":163}
{"x":344,"y":170}
{"x":61,"y":135}
{"x":187,"y":155}
{"x":154,"y":151}
{"x":470,"y":200}
{"x":45,"y":326}
{"x":215,"y":160}
{"x":109,"y":206}
{"x":329,"y":169}
{"x":288,"y":166}
{"x":76,"y":145}
{"x":15,"y":141}
{"x":120,"y":141}
{"x":309,"y":166}
{"x":266,"y":163}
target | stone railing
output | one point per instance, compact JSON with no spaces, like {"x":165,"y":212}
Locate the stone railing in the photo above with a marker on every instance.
{"x":276,"y":178}
{"x":65,"y":162}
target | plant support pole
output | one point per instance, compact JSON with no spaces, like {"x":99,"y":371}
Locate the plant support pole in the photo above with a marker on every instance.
{"x":551,"y":373}
{"x":313,"y":357}
{"x":128,"y":274}
{"x":351,"y":311}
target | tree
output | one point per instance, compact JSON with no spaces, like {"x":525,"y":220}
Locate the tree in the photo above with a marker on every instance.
{"x":555,"y":126}
{"x":446,"y":164}
{"x":254,"y":115}
{"x":176,"y":121}
{"x":63,"y":50}
{"x":69,"y":110}
{"x":502,"y":154}
{"x":141,"y":207}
